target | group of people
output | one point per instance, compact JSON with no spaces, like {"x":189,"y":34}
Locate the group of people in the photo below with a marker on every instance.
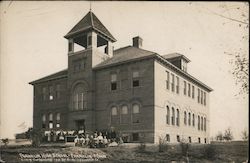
{"x":92,"y":141}
{"x":80,"y":138}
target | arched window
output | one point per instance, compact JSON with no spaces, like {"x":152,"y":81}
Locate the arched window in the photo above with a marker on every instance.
{"x":177,"y":117}
{"x":185,"y":117}
{"x":198,"y":122}
{"x":44,"y":121}
{"x":50,"y":120}
{"x":205,"y":124}
{"x":115,"y":119}
{"x":168,"y":116}
{"x":136,"y":108}
{"x":79,"y":98}
{"x":124,"y":114}
{"x":173,"y":116}
{"x":114,"y":111}
{"x":44,"y":118}
{"x":193,"y":120}
{"x":135,"y":113}
{"x":201,"y":123}
{"x":189,"y":118}
{"x":58,"y":118}
{"x":50,"y":117}
{"x":124,"y":109}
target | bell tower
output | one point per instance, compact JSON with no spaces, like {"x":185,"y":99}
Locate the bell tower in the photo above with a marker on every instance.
{"x":89,"y":43}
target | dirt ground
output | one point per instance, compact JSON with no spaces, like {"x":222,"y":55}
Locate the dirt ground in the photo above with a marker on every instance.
{"x":216,"y":152}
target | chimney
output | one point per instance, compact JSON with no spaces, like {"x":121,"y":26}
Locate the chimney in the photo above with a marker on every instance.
{"x":137,"y":42}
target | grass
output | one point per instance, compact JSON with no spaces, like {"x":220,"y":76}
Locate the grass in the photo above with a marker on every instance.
{"x":220,"y":152}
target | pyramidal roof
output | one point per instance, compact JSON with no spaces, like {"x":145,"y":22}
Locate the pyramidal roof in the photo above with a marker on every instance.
{"x":88,"y":22}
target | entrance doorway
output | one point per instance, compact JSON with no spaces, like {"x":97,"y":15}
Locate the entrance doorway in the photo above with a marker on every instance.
{"x":80,"y":125}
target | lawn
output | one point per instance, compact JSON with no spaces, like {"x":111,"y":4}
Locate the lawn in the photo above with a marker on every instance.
{"x":216,"y":152}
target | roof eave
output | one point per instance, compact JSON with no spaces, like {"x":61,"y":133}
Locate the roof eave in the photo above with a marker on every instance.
{"x":42,"y":81}
{"x":184,"y":73}
{"x":123,"y":62}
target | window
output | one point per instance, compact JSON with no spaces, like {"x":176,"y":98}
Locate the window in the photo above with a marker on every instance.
{"x":50,"y":117}
{"x":44,"y":93}
{"x":135,"y":113}
{"x":185,"y":88}
{"x":79,"y":64}
{"x":205,"y":102}
{"x":202,"y":123}
{"x":167,"y":137}
{"x":185,"y":117}
{"x":198,"y":97}
{"x":136,"y":108}
{"x":178,"y":138}
{"x":75,"y":101}
{"x":193,"y":120}
{"x":50,"y":120}
{"x":205,"y":140}
{"x":89,"y":40}
{"x":189,"y":90}
{"x":167,"y":81}
{"x":113,"y":82}
{"x":199,"y":140}
{"x":168,"y":116}
{"x":44,"y":121}
{"x":177,"y":117}
{"x":51,"y":91}
{"x":189,"y":119}
{"x":177,"y":84}
{"x":173,"y":116}
{"x":135,"y":136}
{"x":44,"y":118}
{"x":189,"y":139}
{"x":58,"y":118}
{"x":79,"y":98}
{"x":124,"y":109}
{"x":136,"y":82}
{"x":115,"y":119}
{"x":58,"y":89}
{"x":172,"y":84}
{"x":124,"y":114}
{"x":198,"y":122}
{"x":192,"y":91}
{"x":205,"y":124}
{"x":70,"y":46}
{"x":114,"y":111}
{"x":201,"y":97}
{"x":50,"y":125}
{"x":82,"y":101}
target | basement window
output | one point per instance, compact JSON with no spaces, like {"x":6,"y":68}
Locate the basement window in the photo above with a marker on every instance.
{"x":168,"y":138}
{"x":178,"y":138}
{"x":135,"y":136}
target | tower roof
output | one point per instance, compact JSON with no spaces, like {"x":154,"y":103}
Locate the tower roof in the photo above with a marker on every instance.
{"x":90,"y":22}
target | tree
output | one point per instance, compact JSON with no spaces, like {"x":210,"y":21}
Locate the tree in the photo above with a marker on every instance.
{"x":219,"y":136}
{"x":244,"y":135}
{"x":240,"y":59}
{"x":235,"y":14}
{"x":228,"y":135}
{"x":35,"y":135}
{"x":5,"y":141}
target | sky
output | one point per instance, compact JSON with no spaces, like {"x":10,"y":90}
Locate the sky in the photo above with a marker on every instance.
{"x":32,"y":46}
